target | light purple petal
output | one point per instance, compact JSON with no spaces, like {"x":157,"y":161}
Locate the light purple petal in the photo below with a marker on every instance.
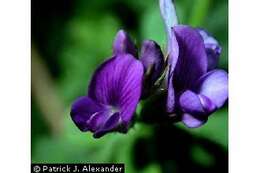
{"x":123,"y":44}
{"x":152,"y":59}
{"x":192,"y":122}
{"x":214,"y":85}
{"x":170,"y":104}
{"x":192,"y":60}
{"x":190,"y":102}
{"x":169,"y":16}
{"x":118,"y":83}
{"x":208,"y":105}
{"x":213,"y":49}
{"x":196,"y":104}
{"x":82,"y":110}
{"x":172,"y":59}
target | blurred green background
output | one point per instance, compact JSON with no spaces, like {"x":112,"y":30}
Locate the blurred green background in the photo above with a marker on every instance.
{"x":70,"y":38}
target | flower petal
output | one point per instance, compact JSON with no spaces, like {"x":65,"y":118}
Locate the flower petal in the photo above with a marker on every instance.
{"x":196,"y":104}
{"x":123,"y":44}
{"x":118,"y":83}
{"x":168,"y":14}
{"x":111,"y":124}
{"x":97,"y":120}
{"x":82,"y":110}
{"x":213,"y":49}
{"x":214,"y":85}
{"x":208,"y":105}
{"x":170,"y":104}
{"x":152,"y":59}
{"x":173,"y":49}
{"x":190,"y":103}
{"x":192,"y":122}
{"x":192,"y":60}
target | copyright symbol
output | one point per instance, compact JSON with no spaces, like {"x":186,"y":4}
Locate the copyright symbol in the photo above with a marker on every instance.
{"x":36,"y":169}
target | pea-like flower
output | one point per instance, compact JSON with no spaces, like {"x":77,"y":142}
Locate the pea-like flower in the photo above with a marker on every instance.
{"x":116,"y":87}
{"x":113,"y":93}
{"x":195,"y":88}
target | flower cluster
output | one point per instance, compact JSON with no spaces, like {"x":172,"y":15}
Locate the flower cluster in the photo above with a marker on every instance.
{"x":194,"y":87}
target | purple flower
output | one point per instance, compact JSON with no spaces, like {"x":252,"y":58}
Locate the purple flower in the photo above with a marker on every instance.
{"x":213,"y":48}
{"x":153,"y":62}
{"x":113,"y":93}
{"x":195,"y":88}
{"x":123,"y":44}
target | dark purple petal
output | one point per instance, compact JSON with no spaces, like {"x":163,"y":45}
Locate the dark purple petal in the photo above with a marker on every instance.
{"x":213,"y":49}
{"x":214,"y":85}
{"x":192,"y":60}
{"x":123,"y":44}
{"x":113,"y":95}
{"x":191,"y":121}
{"x":111,"y":124}
{"x":196,"y":104}
{"x":97,"y":120}
{"x":118,"y":83}
{"x":152,"y":59}
{"x":82,"y":110}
